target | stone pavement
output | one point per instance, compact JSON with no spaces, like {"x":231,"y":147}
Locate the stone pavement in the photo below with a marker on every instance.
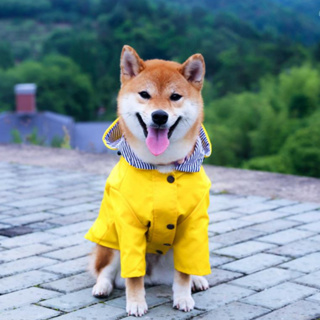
{"x":265,"y":254}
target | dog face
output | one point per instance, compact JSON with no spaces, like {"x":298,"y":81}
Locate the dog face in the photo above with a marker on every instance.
{"x":160,"y":107}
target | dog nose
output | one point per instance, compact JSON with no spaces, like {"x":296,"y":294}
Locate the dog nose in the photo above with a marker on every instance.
{"x":159,"y":117}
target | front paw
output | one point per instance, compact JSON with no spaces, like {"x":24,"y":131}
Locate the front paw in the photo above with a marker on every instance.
{"x":102,"y":289}
{"x":136,"y":308}
{"x":183,"y":303}
{"x":199,"y":283}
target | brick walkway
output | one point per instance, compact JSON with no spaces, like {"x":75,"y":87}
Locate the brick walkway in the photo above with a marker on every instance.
{"x":265,"y":254}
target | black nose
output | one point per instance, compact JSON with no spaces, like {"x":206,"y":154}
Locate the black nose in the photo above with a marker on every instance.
{"x":159,"y":117}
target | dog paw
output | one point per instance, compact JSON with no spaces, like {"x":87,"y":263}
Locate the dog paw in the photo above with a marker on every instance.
{"x":199,"y":283}
{"x":185,"y":304}
{"x":102,"y":289}
{"x":137,"y":308}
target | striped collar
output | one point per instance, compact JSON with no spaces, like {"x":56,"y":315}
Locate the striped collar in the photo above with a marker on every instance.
{"x":115,"y":140}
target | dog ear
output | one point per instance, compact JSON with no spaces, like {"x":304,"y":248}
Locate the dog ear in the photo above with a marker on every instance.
{"x":131,"y":64}
{"x":193,"y":70}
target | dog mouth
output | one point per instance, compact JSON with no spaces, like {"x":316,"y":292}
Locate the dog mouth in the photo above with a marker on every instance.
{"x":157,"y":137}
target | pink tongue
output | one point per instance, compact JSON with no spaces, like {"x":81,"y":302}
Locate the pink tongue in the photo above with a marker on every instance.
{"x":157,"y":140}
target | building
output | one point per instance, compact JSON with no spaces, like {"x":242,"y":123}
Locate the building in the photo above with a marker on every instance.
{"x":48,"y":128}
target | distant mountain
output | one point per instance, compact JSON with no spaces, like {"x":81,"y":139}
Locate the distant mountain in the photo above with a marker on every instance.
{"x":297,"y":19}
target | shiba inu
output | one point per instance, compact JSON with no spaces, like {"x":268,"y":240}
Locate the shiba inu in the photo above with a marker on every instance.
{"x":152,"y":224}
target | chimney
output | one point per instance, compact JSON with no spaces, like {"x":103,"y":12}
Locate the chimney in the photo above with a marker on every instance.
{"x":25,"y":98}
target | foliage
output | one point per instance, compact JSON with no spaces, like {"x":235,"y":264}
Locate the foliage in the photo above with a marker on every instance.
{"x":261,"y":94}
{"x":33,"y":138}
{"x":16,"y":136}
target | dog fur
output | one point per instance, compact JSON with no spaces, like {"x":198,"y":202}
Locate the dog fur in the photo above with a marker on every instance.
{"x":160,"y":79}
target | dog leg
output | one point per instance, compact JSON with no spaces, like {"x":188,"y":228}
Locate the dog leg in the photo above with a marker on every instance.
{"x":199,"y":283}
{"x":135,"y":292}
{"x":106,"y":263}
{"x":182,"y":299}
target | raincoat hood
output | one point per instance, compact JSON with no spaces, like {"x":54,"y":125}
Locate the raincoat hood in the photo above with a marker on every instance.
{"x":115,"y":140}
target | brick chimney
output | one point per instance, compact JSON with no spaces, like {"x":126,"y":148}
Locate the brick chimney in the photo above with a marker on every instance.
{"x":25,"y":98}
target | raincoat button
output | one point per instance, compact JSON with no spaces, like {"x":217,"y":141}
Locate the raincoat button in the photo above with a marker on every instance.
{"x":167,"y":244}
{"x":159,"y":251}
{"x":170,"y":179}
{"x":170,"y":226}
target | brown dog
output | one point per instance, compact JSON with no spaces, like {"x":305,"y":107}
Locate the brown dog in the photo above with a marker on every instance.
{"x":153,"y":218}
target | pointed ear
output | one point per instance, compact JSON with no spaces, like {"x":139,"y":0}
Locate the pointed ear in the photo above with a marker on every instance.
{"x":193,"y":70}
{"x":131,"y":64}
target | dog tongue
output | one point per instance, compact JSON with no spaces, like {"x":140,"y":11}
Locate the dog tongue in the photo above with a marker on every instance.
{"x":157,"y":140}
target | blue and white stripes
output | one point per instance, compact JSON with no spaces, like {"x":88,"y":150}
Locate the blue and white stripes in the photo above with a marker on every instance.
{"x":114,"y":139}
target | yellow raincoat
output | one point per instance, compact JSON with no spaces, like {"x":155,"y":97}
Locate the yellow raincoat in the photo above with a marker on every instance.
{"x":145,"y":211}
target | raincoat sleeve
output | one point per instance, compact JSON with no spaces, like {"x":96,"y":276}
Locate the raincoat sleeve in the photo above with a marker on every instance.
{"x":132,"y":238}
{"x":191,"y":247}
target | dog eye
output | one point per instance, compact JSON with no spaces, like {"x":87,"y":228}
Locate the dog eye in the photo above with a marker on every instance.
{"x":175,"y":97}
{"x":144,"y":95}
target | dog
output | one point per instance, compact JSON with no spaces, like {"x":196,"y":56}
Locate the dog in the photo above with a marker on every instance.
{"x":153,"y":221}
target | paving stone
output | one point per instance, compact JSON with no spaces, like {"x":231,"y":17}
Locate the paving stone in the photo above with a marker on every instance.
{"x":287,"y":236}
{"x":264,"y":216}
{"x":26,"y":210}
{"x":301,"y":310}
{"x":275,"y":225}
{"x":215,"y":245}
{"x":220,"y":295}
{"x":297,"y":249}
{"x":24,"y":297}
{"x":23,"y":252}
{"x":74,"y":218}
{"x":69,"y":268}
{"x":310,"y":216}
{"x":280,"y":295}
{"x":75,"y":228}
{"x":70,"y":253}
{"x":301,"y":207}
{"x":255,"y":207}
{"x":75,"y":201}
{"x":244,"y":249}
{"x":266,"y":278}
{"x":216,"y":260}
{"x":311,"y":280}
{"x":166,"y":311}
{"x":29,"y":313}
{"x":219,"y":276}
{"x":254,"y":263}
{"x":76,"y":300}
{"x":62,"y":242}
{"x":32,"y":202}
{"x":77,"y":208}
{"x":14,"y":231}
{"x":29,"y":218}
{"x":25,"y":240}
{"x":25,"y":280}
{"x":94,"y":312}
{"x":235,"y":311}
{"x":27,"y":264}
{"x":315,"y":298}
{"x":283,"y":202}
{"x":316,"y":238}
{"x":313,"y":226}
{"x":154,"y":296}
{"x":237,"y":236}
{"x":222,"y":216}
{"x":219,"y":206}
{"x":229,"y":225}
{"x":71,"y":284}
{"x":306,"y":264}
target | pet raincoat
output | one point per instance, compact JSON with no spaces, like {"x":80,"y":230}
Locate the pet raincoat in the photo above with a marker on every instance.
{"x":145,"y":211}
